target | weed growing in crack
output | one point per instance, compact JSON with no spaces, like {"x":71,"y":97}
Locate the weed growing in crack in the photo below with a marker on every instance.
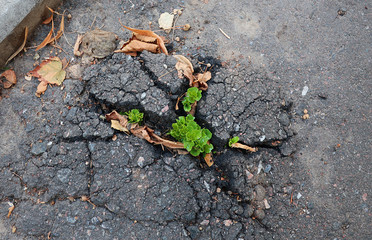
{"x":134,"y":116}
{"x":193,"y":95}
{"x":233,"y":140}
{"x":194,"y":138}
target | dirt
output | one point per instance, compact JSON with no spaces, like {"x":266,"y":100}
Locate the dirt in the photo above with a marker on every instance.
{"x":70,"y":176}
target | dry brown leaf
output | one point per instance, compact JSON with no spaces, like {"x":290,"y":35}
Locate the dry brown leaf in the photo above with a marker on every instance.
{"x":114,"y":115}
{"x":243,"y":146}
{"x":49,"y":72}
{"x":115,"y":124}
{"x":145,"y":36}
{"x":77,"y":45}
{"x":208,"y":159}
{"x":193,"y":108}
{"x":49,"y":19}
{"x":149,"y":135}
{"x":184,"y":68}
{"x":11,"y":208}
{"x":201,"y":80}
{"x":132,"y":47}
{"x":61,"y":29}
{"x":20,"y":48}
{"x":10,"y":77}
{"x":47,"y":39}
{"x":167,"y":143}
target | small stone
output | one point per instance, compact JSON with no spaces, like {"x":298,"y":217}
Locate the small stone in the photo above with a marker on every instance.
{"x":227,"y":223}
{"x":71,"y":220}
{"x":38,"y":148}
{"x":260,"y":192}
{"x":259,"y":214}
{"x":218,"y":190}
{"x":305,"y":90}
{"x":267,"y":168}
{"x":204,"y":222}
{"x":142,"y":162}
{"x":299,"y":195}
{"x":267,"y":206}
{"x":262,"y":138}
{"x":177,"y":39}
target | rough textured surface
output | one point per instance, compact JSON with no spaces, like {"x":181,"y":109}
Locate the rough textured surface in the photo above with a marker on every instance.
{"x":70,"y":175}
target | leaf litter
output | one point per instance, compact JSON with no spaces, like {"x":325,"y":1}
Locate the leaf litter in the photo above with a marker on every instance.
{"x":49,"y":38}
{"x":50,"y":71}
{"x":10,"y":77}
{"x":143,"y":40}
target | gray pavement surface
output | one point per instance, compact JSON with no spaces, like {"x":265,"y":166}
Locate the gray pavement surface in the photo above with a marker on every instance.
{"x":310,"y":178}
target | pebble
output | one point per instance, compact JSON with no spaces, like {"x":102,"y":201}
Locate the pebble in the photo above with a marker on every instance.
{"x":267,"y":206}
{"x":299,"y":195}
{"x":71,"y":220}
{"x":262,"y":138}
{"x":259,"y":214}
{"x":305,"y":90}
{"x":267,"y":168}
{"x":204,"y":222}
{"x":142,"y":162}
{"x":227,"y":223}
{"x":38,"y":148}
{"x":260,"y":192}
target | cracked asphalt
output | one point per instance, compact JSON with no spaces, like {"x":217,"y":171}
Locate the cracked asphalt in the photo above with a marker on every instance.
{"x":70,"y":178}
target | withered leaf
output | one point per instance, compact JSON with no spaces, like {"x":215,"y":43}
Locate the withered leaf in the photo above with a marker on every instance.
{"x":208,"y":159}
{"x":184,"y":68}
{"x":118,"y":122}
{"x":154,"y":43}
{"x":243,"y":146}
{"x":149,"y":135}
{"x":201,"y":80}
{"x":11,"y":208}
{"x":49,"y":19}
{"x":49,"y":72}
{"x":20,"y":48}
{"x":10,"y":77}
{"x":60,"y":31}
{"x":47,"y":38}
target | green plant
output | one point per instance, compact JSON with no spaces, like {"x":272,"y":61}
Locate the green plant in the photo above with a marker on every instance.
{"x":233,"y":140}
{"x":134,"y":116}
{"x":193,"y":95}
{"x":194,"y":138}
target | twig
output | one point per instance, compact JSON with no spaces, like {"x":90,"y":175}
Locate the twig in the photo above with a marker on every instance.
{"x":91,"y":25}
{"x":174,"y":26}
{"x":166,"y":74}
{"x":224,"y":33}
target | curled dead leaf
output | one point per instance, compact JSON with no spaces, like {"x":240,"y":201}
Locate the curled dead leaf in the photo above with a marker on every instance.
{"x":11,"y":208}
{"x":49,"y":72}
{"x":49,"y":19}
{"x":47,"y":38}
{"x":243,"y":146}
{"x":114,"y":115}
{"x":184,"y":68}
{"x":143,"y":40}
{"x":20,"y":48}
{"x":10,"y":77}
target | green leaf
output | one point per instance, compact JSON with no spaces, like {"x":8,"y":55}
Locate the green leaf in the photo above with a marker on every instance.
{"x":186,"y":106}
{"x":195,"y":152}
{"x":188,"y":145}
{"x":208,"y":148}
{"x":193,"y":135}
{"x":233,"y":140}
{"x":207,"y":133}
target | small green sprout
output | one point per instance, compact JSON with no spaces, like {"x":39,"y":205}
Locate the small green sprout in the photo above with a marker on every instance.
{"x":193,"y":95}
{"x":134,"y":116}
{"x":233,"y":140}
{"x":194,"y":138}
